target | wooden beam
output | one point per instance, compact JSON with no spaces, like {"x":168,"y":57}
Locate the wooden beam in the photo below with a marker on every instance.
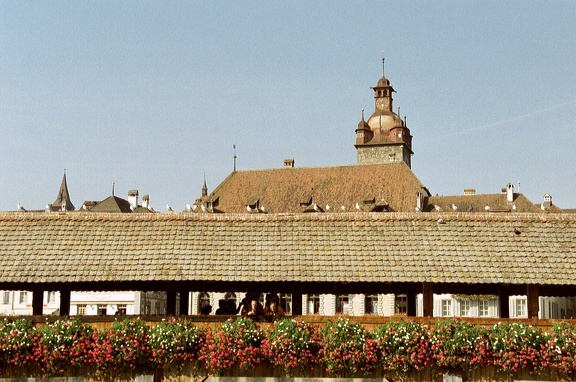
{"x":64,"y":303}
{"x":533,"y":303}
{"x":37,"y":302}
{"x":504,"y":302}
{"x":296,"y":304}
{"x":184,"y":302}
{"x":428,"y":299}
{"x":171,"y":302}
{"x":411,"y":304}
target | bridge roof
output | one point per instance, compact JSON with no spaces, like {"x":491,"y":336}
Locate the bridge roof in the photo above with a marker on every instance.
{"x":451,"y":247}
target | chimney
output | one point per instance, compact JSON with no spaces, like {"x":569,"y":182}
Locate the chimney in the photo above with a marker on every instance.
{"x":509,"y":193}
{"x":133,"y":198}
{"x":289,"y":163}
{"x":547,"y":200}
{"x":146,"y":201}
{"x":469,"y":191}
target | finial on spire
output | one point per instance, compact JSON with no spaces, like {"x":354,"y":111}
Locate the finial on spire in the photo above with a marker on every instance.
{"x":362,"y":113}
{"x":383,"y":75}
{"x":113,"y":184}
{"x":234,"y":147}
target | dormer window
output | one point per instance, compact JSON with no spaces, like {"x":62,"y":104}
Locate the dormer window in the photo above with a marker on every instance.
{"x":306,"y":202}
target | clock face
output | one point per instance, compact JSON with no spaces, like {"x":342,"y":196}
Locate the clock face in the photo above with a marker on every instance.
{"x":382,"y":103}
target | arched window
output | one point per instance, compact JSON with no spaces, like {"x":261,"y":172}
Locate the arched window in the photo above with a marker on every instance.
{"x":230,"y":296}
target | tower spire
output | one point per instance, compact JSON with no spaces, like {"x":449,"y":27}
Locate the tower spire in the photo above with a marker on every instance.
{"x":204,"y":188}
{"x":63,"y":202}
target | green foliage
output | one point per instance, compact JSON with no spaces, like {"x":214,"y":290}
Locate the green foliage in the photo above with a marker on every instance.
{"x":562,"y":348}
{"x":237,"y":343}
{"x":517,"y":346}
{"x":175,"y":342}
{"x":348,"y":348}
{"x":64,"y":344}
{"x":404,"y":347}
{"x":458,"y":345}
{"x":293,"y":344}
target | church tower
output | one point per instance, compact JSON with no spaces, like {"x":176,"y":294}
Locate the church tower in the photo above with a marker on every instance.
{"x":384,"y":137}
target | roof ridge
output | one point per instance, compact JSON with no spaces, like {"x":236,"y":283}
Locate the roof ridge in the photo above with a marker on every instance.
{"x":351,"y":216}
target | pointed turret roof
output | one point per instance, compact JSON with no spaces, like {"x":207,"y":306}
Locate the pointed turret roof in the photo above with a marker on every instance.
{"x":204,"y":188}
{"x":63,"y":197}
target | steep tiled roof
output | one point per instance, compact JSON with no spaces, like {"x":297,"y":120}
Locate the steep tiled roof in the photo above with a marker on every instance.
{"x":112,"y":204}
{"x":287,"y":189}
{"x":478,"y":248}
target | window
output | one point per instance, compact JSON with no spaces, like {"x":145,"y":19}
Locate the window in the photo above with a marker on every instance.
{"x":313,"y":304}
{"x":554,"y":310}
{"x":23,"y":297}
{"x":6,"y":297}
{"x":51,"y":297}
{"x":102,"y":309}
{"x":371,"y":304}
{"x":286,"y":303}
{"x":203,"y":301}
{"x":121,"y":310}
{"x":159,"y":308}
{"x":446,"y":308}
{"x":342,"y":303}
{"x":521,"y":308}
{"x":465,"y":310}
{"x":81,"y":310}
{"x":483,"y":308}
{"x":400,"y":304}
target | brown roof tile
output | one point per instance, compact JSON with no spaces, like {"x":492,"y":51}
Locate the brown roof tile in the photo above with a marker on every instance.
{"x":286,"y":190}
{"x":351,"y":247}
{"x":478,"y":203}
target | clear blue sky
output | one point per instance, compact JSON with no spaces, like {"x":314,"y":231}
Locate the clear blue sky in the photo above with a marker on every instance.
{"x":153,"y":95}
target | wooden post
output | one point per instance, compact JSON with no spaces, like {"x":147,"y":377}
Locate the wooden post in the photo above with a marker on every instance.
{"x":184,"y":302}
{"x":64,"y":303}
{"x":171,"y":302}
{"x":533,"y":303}
{"x":37,"y":302}
{"x":504,"y":303}
{"x":428,"y":297}
{"x":410,"y":304}
{"x":296,"y":304}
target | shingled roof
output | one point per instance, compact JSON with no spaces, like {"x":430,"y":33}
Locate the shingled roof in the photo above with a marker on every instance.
{"x":289,"y":190}
{"x":477,"y":248}
{"x":478,"y":203}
